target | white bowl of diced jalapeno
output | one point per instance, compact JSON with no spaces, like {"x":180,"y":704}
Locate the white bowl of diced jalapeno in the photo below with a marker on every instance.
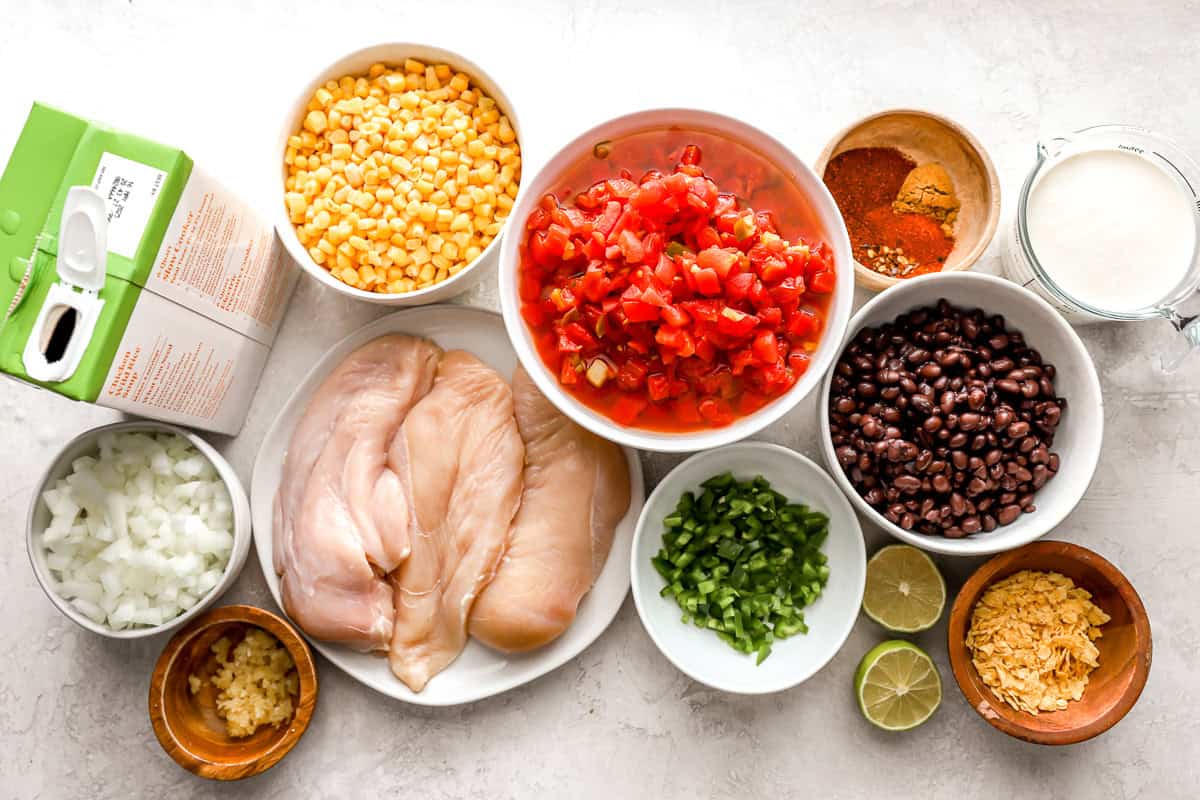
{"x":689,"y":593}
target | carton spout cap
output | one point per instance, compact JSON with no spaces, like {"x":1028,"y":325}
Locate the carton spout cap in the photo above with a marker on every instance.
{"x":83,"y":239}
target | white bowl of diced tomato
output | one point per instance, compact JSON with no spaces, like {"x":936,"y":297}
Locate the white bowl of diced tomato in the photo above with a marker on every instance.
{"x":676,"y":280}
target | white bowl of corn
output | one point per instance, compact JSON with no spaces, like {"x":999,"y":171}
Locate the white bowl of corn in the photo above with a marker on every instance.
{"x":400,"y":165}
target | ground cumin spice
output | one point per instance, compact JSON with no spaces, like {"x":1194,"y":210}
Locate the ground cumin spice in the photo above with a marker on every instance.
{"x":869,"y":185}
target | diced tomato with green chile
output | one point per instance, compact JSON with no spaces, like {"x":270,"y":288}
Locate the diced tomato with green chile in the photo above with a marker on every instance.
{"x":666,"y":304}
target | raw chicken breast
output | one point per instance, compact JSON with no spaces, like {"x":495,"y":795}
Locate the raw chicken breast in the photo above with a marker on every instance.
{"x":576,"y":491}
{"x":341,"y":518}
{"x":460,"y":455}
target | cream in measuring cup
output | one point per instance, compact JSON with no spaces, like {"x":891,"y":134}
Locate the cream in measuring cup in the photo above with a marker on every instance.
{"x":1107,"y":227}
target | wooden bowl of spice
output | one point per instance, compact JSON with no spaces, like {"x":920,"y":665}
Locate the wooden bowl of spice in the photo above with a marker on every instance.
{"x":918,"y":194}
{"x":232,"y":693}
{"x":1050,"y":643}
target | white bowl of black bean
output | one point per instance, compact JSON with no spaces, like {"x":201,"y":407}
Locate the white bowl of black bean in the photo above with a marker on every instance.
{"x":964,"y":415}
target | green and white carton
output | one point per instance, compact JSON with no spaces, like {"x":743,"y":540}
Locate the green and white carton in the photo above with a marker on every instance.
{"x":131,"y":279}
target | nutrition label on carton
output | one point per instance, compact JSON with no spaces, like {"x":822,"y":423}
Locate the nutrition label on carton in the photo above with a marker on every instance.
{"x":221,"y":260}
{"x":195,"y":373}
{"x":130,"y":189}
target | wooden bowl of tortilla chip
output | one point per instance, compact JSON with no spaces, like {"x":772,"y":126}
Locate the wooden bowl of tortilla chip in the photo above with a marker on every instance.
{"x":1124,"y":645}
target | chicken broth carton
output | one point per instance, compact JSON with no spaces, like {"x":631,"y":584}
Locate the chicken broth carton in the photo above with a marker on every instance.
{"x":129,"y":278}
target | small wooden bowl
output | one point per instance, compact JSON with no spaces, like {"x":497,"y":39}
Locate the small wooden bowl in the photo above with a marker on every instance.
{"x":926,"y":137}
{"x":187,"y":725}
{"x":1125,"y":648}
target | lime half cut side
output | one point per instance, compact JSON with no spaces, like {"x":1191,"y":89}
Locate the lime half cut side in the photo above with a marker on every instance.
{"x":905,"y":592}
{"x":898,"y":686}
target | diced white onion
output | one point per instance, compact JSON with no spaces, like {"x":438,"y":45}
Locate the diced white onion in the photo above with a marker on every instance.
{"x":138,"y":533}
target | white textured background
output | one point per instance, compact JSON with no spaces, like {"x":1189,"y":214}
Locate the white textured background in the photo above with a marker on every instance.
{"x":619,"y":721}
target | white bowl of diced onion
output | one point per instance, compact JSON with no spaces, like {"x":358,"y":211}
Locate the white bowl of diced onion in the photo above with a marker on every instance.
{"x":358,"y":63}
{"x":169,"y":533}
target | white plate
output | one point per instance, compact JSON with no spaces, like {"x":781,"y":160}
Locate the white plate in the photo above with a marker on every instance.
{"x":479,"y":672}
{"x":697,"y":651}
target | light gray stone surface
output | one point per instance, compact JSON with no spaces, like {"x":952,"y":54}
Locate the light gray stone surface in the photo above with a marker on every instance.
{"x":620,"y":721}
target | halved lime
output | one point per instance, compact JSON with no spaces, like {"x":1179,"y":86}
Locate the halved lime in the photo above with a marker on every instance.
{"x":905,"y":592}
{"x":897,"y":685}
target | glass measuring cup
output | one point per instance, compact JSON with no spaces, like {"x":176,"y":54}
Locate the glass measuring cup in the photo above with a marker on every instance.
{"x":1181,"y":304}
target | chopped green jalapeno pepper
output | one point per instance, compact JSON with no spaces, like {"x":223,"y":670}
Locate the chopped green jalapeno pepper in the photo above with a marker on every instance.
{"x":742,"y":560}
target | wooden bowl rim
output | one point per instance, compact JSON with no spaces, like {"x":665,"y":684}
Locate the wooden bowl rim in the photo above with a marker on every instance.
{"x":871,"y":280}
{"x":960,"y":661}
{"x":305,"y":703}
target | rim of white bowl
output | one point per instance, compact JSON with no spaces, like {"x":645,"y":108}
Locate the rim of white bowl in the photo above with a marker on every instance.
{"x":390,"y":53}
{"x":241,"y":529}
{"x":833,"y":231}
{"x":974,"y":545}
{"x":636,"y":568}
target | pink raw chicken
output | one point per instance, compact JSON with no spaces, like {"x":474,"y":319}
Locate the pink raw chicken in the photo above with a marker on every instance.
{"x":340,"y":520}
{"x":460,"y":455}
{"x":576,"y":491}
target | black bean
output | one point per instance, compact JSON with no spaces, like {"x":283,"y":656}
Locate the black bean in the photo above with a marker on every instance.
{"x":1008,"y":514}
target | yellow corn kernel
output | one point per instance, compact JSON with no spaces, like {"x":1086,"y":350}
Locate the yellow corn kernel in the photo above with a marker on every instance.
{"x":316,"y":121}
{"x":296,"y":203}
{"x":506,"y":134}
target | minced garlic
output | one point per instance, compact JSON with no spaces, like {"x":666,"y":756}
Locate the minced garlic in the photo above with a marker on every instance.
{"x":257,"y":682}
{"x":1032,"y":640}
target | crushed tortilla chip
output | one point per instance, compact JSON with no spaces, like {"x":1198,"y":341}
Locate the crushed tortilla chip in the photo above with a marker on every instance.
{"x":1032,"y":640}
